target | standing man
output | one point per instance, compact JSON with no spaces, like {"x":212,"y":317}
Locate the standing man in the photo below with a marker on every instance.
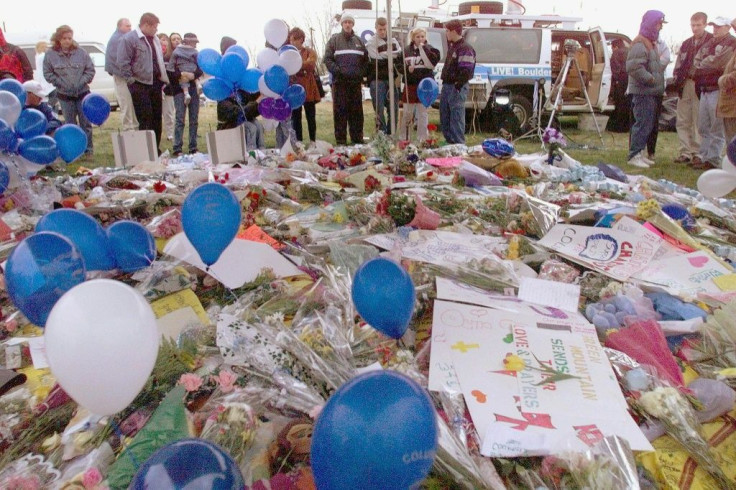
{"x":13,"y":60}
{"x":727,"y":96}
{"x":620,"y":120}
{"x":125,"y":102}
{"x":378,"y":79}
{"x":688,"y":103}
{"x":710,"y":63}
{"x":457,"y":72}
{"x":646,"y":84}
{"x":141,"y":64}
{"x":346,"y":59}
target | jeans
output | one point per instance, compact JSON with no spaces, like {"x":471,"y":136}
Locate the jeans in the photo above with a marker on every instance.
{"x":73,"y":114}
{"x":645,"y":112}
{"x":712,"y":137}
{"x":254,"y":135}
{"x":181,"y":109}
{"x":452,"y":113}
{"x":381,"y":101}
{"x":296,"y":121}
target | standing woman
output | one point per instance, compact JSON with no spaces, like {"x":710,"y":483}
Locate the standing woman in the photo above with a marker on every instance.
{"x":168,"y":102}
{"x":305,"y":77}
{"x":420,"y":59}
{"x":69,"y":68}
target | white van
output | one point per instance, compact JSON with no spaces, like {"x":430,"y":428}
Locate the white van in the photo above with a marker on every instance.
{"x":102,"y":84}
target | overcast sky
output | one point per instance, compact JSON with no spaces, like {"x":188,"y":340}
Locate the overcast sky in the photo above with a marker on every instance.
{"x":244,"y":20}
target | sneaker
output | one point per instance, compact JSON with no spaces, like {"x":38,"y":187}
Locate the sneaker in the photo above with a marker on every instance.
{"x":638,"y":161}
{"x":682,"y":159}
{"x":645,"y":159}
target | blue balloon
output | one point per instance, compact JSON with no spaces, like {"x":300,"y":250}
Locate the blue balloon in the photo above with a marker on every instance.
{"x":71,"y":142}
{"x":7,"y":136}
{"x":378,"y":431}
{"x":84,"y":232}
{"x":276,"y":78}
{"x":39,"y":271}
{"x":249,"y":82}
{"x":384,"y":295}
{"x":287,"y":47}
{"x":96,"y":108}
{"x":209,"y":61}
{"x":30,"y":123}
{"x":210,"y":217}
{"x":132,"y":245}
{"x":4,"y":177}
{"x":14,"y":87}
{"x":39,"y":149}
{"x":189,"y":463}
{"x":240,"y":51}
{"x":217,"y":89}
{"x":232,"y":67}
{"x":427,"y":91}
{"x":295,"y":96}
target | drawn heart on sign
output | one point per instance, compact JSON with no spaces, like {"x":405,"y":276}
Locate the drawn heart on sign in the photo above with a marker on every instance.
{"x":509,"y":338}
{"x":479,"y":396}
{"x":698,"y":261}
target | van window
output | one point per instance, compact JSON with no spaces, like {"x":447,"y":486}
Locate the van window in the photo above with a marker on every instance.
{"x":98,"y":57}
{"x":519,"y":46}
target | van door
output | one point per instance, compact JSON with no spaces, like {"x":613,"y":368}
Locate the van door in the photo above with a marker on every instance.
{"x":599,"y":86}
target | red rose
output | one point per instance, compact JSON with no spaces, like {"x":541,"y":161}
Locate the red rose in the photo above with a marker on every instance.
{"x":159,"y":186}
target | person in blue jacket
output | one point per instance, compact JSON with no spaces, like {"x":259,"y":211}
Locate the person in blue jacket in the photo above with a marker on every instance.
{"x":34,"y":100}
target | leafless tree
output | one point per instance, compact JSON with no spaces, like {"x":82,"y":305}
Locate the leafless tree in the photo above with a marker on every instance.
{"x":317,"y":23}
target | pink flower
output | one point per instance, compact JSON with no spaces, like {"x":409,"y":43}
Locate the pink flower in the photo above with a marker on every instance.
{"x":315,"y":411}
{"x":227,"y":380}
{"x":11,"y":325}
{"x":190,"y":381}
{"x":91,"y":478}
{"x":19,"y":482}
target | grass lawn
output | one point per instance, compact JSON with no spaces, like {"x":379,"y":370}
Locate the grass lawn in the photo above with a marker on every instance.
{"x":584,"y":146}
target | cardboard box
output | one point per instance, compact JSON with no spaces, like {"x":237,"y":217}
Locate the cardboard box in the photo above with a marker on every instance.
{"x":133,"y":147}
{"x":227,"y":145}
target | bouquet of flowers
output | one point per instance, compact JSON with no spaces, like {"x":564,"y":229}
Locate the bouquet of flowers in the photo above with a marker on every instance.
{"x":555,"y":141}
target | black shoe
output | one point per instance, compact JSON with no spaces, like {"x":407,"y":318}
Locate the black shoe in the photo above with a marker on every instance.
{"x":176,"y":154}
{"x":192,"y":152}
{"x":341,"y":143}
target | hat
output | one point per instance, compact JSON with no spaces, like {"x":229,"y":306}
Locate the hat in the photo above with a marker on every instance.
{"x":346,"y":17}
{"x":720,"y":22}
{"x":34,"y":87}
{"x":190,"y":38}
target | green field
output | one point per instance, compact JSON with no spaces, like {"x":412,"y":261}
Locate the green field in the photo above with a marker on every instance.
{"x":585,"y":146}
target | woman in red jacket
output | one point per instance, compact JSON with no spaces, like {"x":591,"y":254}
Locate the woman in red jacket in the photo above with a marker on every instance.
{"x":306,"y":78}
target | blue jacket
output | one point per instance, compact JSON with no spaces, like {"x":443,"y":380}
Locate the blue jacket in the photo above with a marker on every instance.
{"x":71,"y":73}
{"x":346,"y":57}
{"x":135,"y":58}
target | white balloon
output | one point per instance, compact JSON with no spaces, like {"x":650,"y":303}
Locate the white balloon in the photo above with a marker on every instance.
{"x":727,"y":165}
{"x":9,"y":107}
{"x":266,"y":58}
{"x":265,"y":91}
{"x":291,"y":61}
{"x":102,"y":343}
{"x":716,"y":183}
{"x":276,"y":31}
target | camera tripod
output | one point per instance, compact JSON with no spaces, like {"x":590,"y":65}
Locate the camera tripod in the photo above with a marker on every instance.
{"x":535,"y":122}
{"x":570,"y":60}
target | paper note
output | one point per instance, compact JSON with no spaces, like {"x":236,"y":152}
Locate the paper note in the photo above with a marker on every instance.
{"x":726,"y":282}
{"x":186,"y":298}
{"x":550,"y":293}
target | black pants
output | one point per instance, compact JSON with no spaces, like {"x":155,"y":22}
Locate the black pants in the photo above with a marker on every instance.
{"x":347,"y":111}
{"x":147,"y":103}
{"x":296,"y":121}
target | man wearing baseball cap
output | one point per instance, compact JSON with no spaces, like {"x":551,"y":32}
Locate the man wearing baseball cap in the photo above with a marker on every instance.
{"x":710,"y":63}
{"x":34,"y":100}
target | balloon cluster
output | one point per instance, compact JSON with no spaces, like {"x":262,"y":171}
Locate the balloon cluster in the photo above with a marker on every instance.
{"x":230,"y":72}
{"x":66,"y":245}
{"x":22,"y":131}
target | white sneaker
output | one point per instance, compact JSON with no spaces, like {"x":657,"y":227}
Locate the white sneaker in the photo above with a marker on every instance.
{"x":638,"y":161}
{"x":646,"y":159}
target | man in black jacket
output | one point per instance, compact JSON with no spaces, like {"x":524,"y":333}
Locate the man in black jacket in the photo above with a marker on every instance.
{"x":346,"y":59}
{"x":378,"y":75}
{"x":688,"y":103}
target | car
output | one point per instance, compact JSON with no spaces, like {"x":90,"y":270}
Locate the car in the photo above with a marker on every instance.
{"x":103,"y":82}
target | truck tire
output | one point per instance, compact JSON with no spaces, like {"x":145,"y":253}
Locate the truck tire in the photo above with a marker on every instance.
{"x":357,"y":5}
{"x":524,"y":111}
{"x":479,"y":8}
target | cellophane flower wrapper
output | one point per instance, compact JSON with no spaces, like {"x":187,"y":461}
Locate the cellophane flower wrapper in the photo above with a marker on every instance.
{"x":670,"y":407}
{"x":544,"y":214}
{"x":31,"y":472}
{"x":716,"y":351}
{"x":230,"y":422}
{"x":100,"y":458}
{"x":490,"y":273}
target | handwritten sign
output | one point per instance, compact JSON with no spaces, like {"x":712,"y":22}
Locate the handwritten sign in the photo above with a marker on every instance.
{"x":689,"y":273}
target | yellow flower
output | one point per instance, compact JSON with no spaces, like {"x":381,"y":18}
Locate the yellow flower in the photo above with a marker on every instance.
{"x":727,"y":372}
{"x":513,"y":363}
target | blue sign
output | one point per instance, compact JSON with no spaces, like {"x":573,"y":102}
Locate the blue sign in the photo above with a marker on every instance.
{"x":497,"y":72}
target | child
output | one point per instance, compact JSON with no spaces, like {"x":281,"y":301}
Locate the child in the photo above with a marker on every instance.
{"x":184,"y":58}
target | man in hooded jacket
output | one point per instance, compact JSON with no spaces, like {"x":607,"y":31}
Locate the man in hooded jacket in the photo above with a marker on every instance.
{"x":14,"y":61}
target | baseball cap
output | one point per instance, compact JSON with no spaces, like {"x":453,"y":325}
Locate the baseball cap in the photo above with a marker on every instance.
{"x":190,"y":38}
{"x":347,"y":17}
{"x":720,"y":22}
{"x":33,"y":87}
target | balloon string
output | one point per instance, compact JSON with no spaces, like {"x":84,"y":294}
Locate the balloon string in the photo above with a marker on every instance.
{"x":235,"y":296}
{"x":120,"y":434}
